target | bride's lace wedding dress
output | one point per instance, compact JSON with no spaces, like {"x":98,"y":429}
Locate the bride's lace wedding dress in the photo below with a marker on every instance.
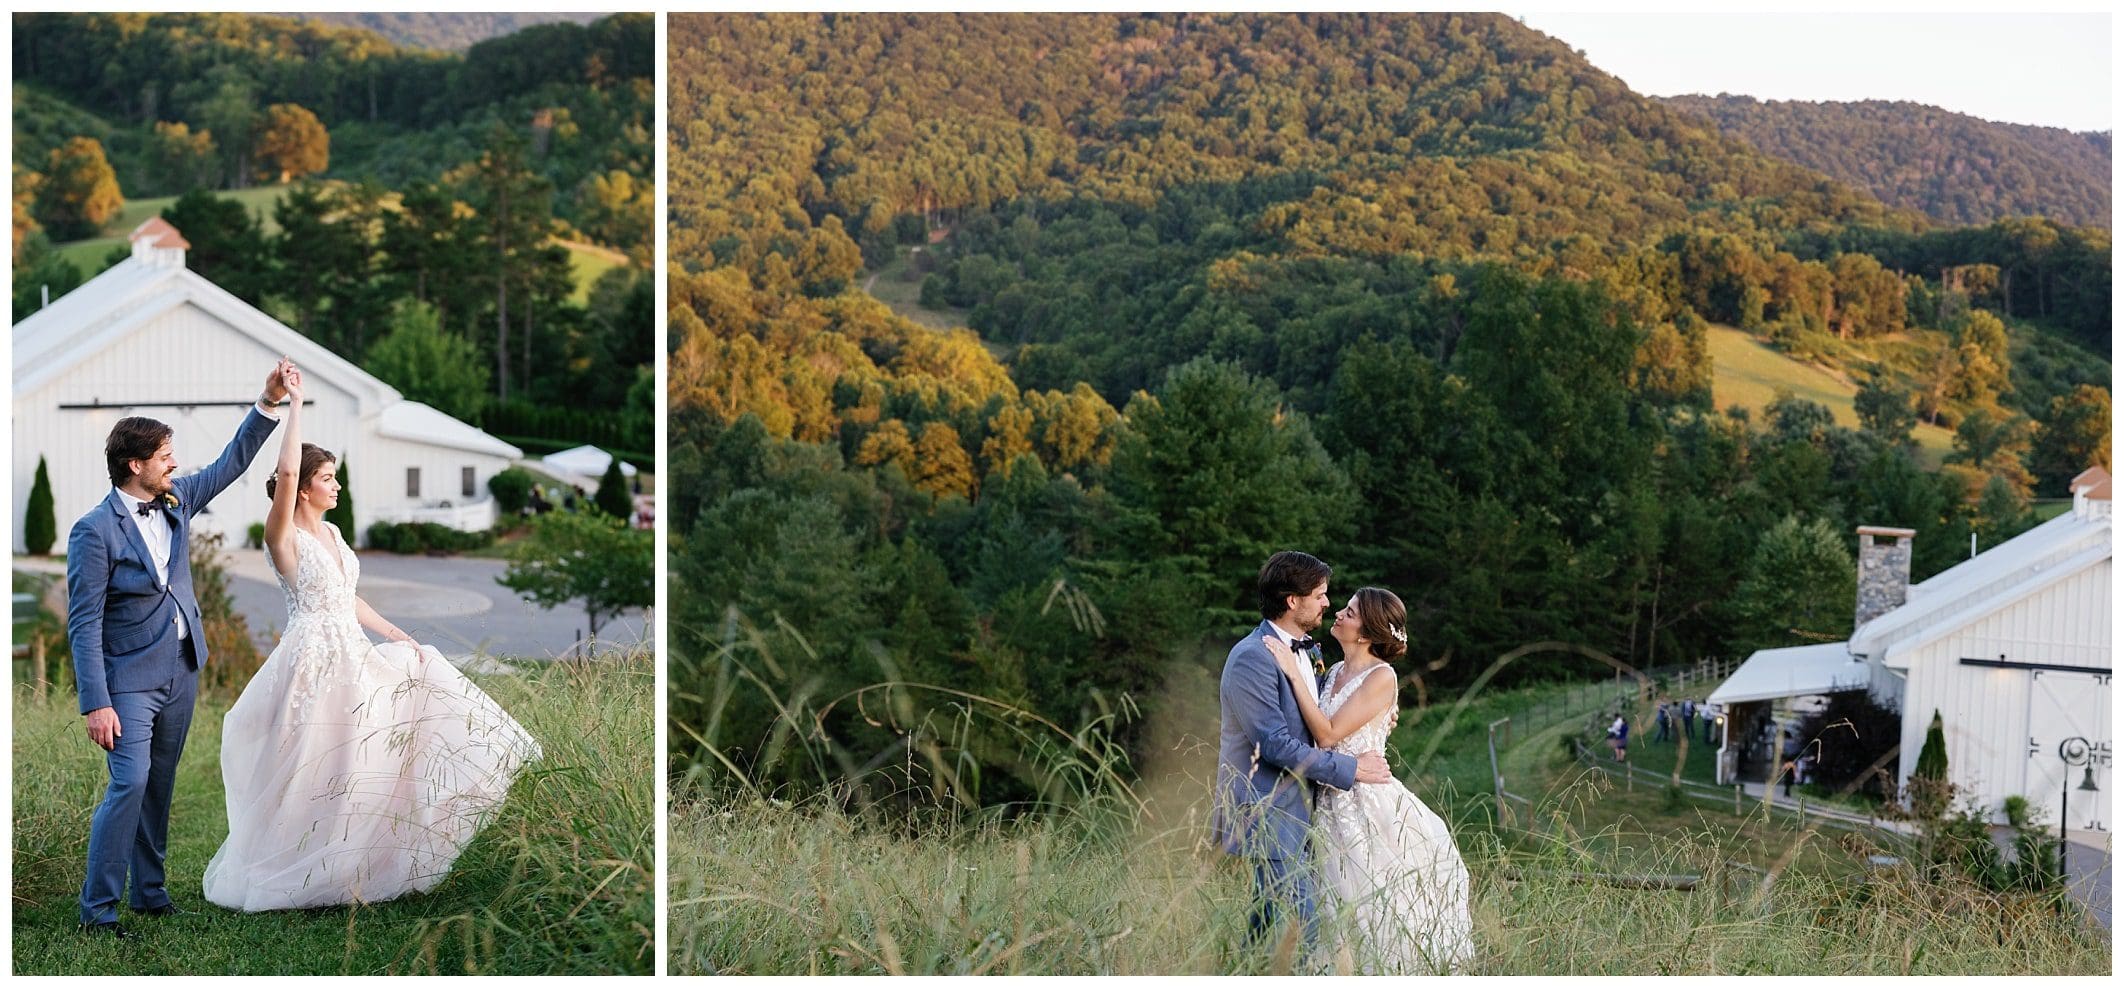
{"x":355,"y":772}
{"x":1398,"y":889}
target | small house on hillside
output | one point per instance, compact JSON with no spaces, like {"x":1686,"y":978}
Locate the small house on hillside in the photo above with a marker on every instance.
{"x":2011,"y":647}
{"x":150,"y":337}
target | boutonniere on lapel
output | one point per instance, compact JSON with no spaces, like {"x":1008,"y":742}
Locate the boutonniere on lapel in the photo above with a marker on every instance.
{"x":170,"y":502}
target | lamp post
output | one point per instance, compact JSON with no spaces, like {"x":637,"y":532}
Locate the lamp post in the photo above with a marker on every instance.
{"x":2074,"y":752}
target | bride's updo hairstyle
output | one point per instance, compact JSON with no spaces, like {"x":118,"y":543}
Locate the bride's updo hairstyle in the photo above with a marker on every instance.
{"x":1383,"y":621}
{"x":314,"y":458}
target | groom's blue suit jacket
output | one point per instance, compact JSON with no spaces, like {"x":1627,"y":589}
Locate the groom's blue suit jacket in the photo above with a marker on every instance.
{"x":1265,"y":758}
{"x":118,"y":617}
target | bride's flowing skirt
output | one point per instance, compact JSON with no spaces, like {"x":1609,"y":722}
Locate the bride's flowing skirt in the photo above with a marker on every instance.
{"x":1398,"y":889}
{"x":355,"y":772}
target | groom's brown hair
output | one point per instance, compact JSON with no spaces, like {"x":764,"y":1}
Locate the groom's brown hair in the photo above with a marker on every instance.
{"x":1288,"y":574}
{"x":135,"y":437}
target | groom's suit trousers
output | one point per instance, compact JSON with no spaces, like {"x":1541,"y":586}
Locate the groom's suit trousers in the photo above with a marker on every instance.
{"x":131,"y":828}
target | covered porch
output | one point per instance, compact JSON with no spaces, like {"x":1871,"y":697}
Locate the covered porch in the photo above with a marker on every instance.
{"x":1770,"y":692}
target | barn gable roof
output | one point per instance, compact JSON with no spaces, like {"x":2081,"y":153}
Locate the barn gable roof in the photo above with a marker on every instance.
{"x":133,"y":293}
{"x":1997,"y":578}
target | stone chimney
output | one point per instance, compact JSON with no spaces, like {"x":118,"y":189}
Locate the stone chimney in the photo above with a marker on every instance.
{"x":1883,"y":571}
{"x":158,"y":244}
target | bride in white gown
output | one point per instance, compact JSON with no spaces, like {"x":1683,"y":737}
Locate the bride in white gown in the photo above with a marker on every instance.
{"x":354,"y":772}
{"x":1392,"y":880}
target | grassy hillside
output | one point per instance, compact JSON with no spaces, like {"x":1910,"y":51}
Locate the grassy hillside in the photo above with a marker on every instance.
{"x":1122,"y":883}
{"x":1749,"y":373}
{"x":559,"y":883}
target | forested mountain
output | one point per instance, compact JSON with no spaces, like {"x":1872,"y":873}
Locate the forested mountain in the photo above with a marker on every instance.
{"x":233,"y":100}
{"x":474,"y":229}
{"x":441,"y":32}
{"x":1424,"y":294}
{"x":1953,"y":167}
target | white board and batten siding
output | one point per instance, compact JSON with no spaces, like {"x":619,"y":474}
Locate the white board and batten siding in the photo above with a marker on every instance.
{"x":2003,"y":725}
{"x":149,"y":337}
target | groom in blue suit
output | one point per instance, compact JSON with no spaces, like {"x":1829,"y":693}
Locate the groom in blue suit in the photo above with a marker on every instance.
{"x":1266,"y":761}
{"x":138,"y":643}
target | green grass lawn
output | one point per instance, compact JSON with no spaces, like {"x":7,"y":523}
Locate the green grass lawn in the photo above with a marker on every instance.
{"x":88,"y":254}
{"x":1748,"y":372}
{"x":590,"y":261}
{"x":899,"y":286}
{"x":558,"y":883}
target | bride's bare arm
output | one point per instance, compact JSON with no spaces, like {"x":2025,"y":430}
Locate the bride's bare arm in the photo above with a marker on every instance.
{"x":287,"y":476}
{"x":1354,"y":713}
{"x":375,"y":622}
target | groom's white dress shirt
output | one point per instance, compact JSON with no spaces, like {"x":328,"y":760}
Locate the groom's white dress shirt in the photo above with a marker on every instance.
{"x":1312,"y":685}
{"x":155,"y":531}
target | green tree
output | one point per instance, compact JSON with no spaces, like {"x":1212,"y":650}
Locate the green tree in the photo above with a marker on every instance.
{"x":2073,"y":437}
{"x":584,"y":556}
{"x":1928,"y":781}
{"x":40,"y":527}
{"x":429,"y":364}
{"x":2001,"y":513}
{"x":1799,"y":587}
{"x":182,"y":159}
{"x":1214,"y":476}
{"x":1996,"y":445}
{"x":79,"y":193}
{"x":342,"y":514}
{"x":228,"y":243}
{"x":26,"y":185}
{"x":511,"y":489}
{"x":1982,"y":369}
{"x":292,"y":141}
{"x":515,"y":215}
{"x":613,"y":497}
{"x":1887,"y":410}
{"x":41,"y":271}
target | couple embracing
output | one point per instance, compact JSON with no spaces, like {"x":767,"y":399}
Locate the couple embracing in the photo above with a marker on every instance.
{"x":1304,"y":793}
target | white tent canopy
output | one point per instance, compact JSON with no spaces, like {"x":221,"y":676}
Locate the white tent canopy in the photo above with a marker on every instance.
{"x":584,"y":464}
{"x":1800,"y":671}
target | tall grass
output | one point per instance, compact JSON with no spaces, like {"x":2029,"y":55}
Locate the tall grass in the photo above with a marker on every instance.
{"x":1125,"y":882}
{"x":558,"y":883}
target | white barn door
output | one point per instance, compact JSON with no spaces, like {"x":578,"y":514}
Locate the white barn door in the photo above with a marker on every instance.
{"x":2069,"y":705}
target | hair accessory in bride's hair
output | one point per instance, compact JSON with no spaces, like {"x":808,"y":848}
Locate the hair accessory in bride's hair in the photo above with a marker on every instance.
{"x":1399,"y":635}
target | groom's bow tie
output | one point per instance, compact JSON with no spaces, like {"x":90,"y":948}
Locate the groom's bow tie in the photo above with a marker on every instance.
{"x":1303,"y":644}
{"x":157,"y":505}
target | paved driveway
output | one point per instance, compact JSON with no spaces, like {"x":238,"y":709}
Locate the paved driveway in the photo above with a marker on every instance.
{"x":452,"y":603}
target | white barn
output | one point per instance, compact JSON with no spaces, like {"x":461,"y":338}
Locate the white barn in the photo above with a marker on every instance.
{"x":2012,"y":647}
{"x":150,"y":337}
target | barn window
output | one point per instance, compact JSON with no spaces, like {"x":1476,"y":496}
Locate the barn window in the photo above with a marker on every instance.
{"x":471,"y":487}
{"x":412,"y":481}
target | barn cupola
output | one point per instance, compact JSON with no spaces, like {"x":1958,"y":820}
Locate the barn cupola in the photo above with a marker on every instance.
{"x":158,"y":244}
{"x":2090,"y":493}
{"x":1883,"y":571}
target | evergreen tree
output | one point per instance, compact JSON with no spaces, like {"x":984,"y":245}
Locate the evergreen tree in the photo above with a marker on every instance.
{"x":612,"y":497}
{"x":40,"y":528}
{"x":1799,"y":587}
{"x":342,"y":514}
{"x":1928,"y":781}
